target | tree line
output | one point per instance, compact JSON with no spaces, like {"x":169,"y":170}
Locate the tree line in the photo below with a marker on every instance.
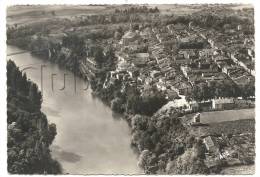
{"x":225,"y":89}
{"x":134,"y":10}
{"x":29,"y":134}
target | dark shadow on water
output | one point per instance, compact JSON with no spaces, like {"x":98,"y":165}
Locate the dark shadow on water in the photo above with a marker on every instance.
{"x":65,"y":155}
{"x":69,"y":156}
{"x":117,"y":116}
{"x":134,"y":149}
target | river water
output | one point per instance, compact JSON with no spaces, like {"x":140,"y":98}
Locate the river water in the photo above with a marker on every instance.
{"x":89,"y":140}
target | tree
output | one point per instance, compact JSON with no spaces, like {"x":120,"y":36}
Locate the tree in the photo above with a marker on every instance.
{"x":116,"y":105}
{"x":35,"y":97}
{"x":28,"y":144}
{"x":248,"y":89}
{"x":152,"y":102}
{"x":133,"y":100}
{"x":139,"y":122}
{"x":75,"y":43}
{"x":117,"y":35}
{"x":52,"y":132}
{"x":143,"y":159}
{"x":13,"y":75}
{"x":98,"y":55}
{"x":23,"y":84}
{"x":53,"y":13}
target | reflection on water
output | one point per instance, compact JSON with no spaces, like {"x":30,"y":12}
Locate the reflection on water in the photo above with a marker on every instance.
{"x":66,"y":156}
{"x":88,"y":134}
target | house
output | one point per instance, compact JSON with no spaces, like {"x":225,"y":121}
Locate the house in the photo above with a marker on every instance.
{"x":194,"y":105}
{"x":176,"y":27}
{"x":196,"y":118}
{"x":140,"y":59}
{"x":65,"y":51}
{"x":223,"y":103}
{"x":242,"y":80}
{"x":162,"y":37}
{"x":89,"y":66}
{"x":146,"y":33}
{"x":181,"y":58}
{"x":155,"y":73}
{"x":181,"y":103}
{"x":148,"y":81}
{"x":239,"y":27}
{"x":205,"y":105}
{"x":56,"y":38}
{"x":185,"y":69}
{"x":207,"y":52}
{"x":166,"y":69}
{"x":211,"y":42}
{"x":123,"y":66}
{"x":129,"y":37}
{"x":142,"y":55}
{"x":205,"y":67}
{"x":185,"y":53}
{"x":11,"y":126}
{"x":161,"y":86}
{"x":171,"y":94}
{"x":208,"y":77}
{"x":210,"y":145}
{"x":220,"y":58}
{"x":176,"y":103}
{"x":226,"y":68}
{"x":121,"y":56}
{"x":91,"y":62}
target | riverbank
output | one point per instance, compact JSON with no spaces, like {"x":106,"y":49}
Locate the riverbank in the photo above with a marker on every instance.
{"x":89,"y":136}
{"x":29,"y":134}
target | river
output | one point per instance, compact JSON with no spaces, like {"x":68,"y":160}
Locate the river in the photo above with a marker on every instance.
{"x":89,"y":140}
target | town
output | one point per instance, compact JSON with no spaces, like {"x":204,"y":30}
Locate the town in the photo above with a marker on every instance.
{"x":195,"y":71}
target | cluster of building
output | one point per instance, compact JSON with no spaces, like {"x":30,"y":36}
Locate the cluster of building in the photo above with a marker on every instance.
{"x":177,"y":57}
{"x":237,"y":149}
{"x":236,"y":56}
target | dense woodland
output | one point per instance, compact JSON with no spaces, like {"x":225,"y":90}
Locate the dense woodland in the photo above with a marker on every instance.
{"x":163,"y":140}
{"x":29,"y":134}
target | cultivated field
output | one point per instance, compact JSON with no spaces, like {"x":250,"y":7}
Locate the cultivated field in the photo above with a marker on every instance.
{"x":35,"y":13}
{"x":227,"y":115}
{"x":239,"y":170}
{"x":227,"y":122}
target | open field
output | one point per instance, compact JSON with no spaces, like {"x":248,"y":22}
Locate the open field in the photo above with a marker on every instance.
{"x":221,"y":116}
{"x":228,"y":127}
{"x":30,"y":14}
{"x":176,"y":9}
{"x":26,"y":14}
{"x":239,"y":170}
{"x":227,"y":115}
{"x":227,"y":122}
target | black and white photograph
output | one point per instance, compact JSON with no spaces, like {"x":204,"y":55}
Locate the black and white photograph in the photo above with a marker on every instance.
{"x":129,"y":89}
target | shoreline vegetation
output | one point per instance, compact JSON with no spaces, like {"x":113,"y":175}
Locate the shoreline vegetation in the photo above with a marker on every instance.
{"x":29,"y":134}
{"x":165,"y":145}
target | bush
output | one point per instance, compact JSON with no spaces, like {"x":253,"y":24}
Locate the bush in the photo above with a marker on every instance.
{"x":117,"y":105}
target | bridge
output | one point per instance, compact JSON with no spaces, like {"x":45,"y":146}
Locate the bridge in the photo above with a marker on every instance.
{"x":17,"y":53}
{"x":24,"y":51}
